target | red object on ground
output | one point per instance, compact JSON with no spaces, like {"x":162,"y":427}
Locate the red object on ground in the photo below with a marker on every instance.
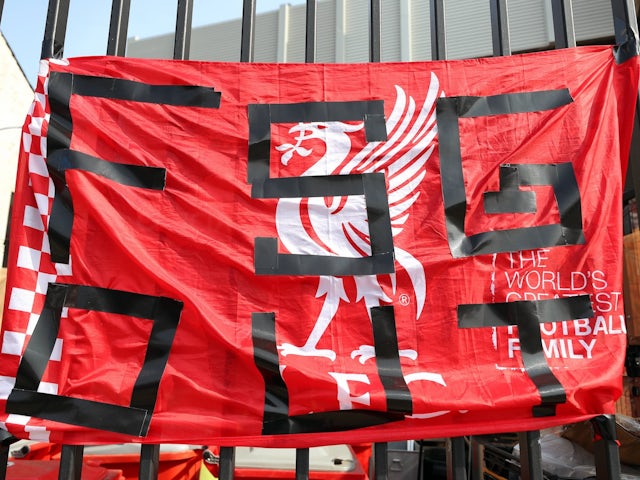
{"x":259,"y":473}
{"x":363,"y":452}
{"x":173,"y":465}
{"x":183,"y":464}
{"x":48,"y":470}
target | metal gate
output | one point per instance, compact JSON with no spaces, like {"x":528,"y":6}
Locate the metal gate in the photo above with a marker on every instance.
{"x":460,"y":464}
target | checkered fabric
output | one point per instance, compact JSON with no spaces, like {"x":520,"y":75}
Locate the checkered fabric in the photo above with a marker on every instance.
{"x":33,"y":269}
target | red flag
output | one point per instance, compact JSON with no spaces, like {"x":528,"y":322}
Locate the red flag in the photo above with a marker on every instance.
{"x":237,"y":254}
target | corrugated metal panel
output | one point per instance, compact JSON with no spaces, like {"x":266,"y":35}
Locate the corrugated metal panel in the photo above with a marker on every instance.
{"x":219,"y":42}
{"x":326,"y":31}
{"x":592,"y":19}
{"x":529,"y":24}
{"x":468,"y":29}
{"x":420,"y":30}
{"x":297,"y":33}
{"x":266,"y":39}
{"x":357,"y":31}
{"x":160,"y":46}
{"x":390,"y":38}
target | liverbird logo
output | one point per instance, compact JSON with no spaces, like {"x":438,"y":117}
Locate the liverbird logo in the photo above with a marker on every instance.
{"x":338,"y":225}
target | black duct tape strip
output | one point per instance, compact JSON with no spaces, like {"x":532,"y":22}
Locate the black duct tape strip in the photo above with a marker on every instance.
{"x":60,"y":226}
{"x":36,"y":356}
{"x":120,"y":89}
{"x":510,"y":199}
{"x":265,"y":356}
{"x":478,"y":315}
{"x":388,"y":360}
{"x":60,"y":122}
{"x":133,"y":419}
{"x":509,"y":178}
{"x":513,"y":240}
{"x":527,"y":316}
{"x":84,"y":413}
{"x":267,"y":261}
{"x":631,"y":46}
{"x":560,"y":176}
{"x":535,"y":364}
{"x":259,"y":153}
{"x":166,"y":316}
{"x":508,"y":103}
{"x":378,"y":216}
{"x":63,"y":159}
{"x":153,"y":178}
{"x":336,"y":421}
{"x":375,"y":127}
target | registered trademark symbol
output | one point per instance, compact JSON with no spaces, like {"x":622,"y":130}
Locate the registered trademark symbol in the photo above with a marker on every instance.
{"x":404,"y":300}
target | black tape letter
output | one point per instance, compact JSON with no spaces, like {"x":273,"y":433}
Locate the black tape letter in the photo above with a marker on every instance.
{"x":509,"y":199}
{"x":133,"y":420}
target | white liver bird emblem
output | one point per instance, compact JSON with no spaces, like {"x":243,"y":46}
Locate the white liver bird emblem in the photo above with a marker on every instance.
{"x":338,"y":225}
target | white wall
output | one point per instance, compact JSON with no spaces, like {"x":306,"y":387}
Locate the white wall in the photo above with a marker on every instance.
{"x":16,"y":96}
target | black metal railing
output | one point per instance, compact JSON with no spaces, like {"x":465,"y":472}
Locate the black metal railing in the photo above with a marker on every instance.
{"x":459,"y":463}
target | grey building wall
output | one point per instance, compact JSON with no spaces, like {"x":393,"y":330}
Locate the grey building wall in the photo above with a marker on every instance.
{"x":343,"y":31}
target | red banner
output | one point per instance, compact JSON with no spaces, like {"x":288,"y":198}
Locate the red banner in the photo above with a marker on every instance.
{"x":300,"y":255}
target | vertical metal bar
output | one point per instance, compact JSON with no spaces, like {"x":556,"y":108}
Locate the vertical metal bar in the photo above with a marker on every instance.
{"x":375,"y":32}
{"x":310,"y":38}
{"x":6,"y":439}
{"x":149,"y":462}
{"x":71,"y":462}
{"x":625,"y":23}
{"x":248,"y":30}
{"x":4,"y":460}
{"x":118,"y":27}
{"x":477,"y":460}
{"x":380,"y":461}
{"x":634,"y":154}
{"x":55,"y":29}
{"x":564,"y":32}
{"x":438,"y":37}
{"x":605,"y":447}
{"x":227,"y":463}
{"x":500,"y":28}
{"x":182,"y":39}
{"x":7,"y":240}
{"x":302,"y":464}
{"x":530,"y":455}
{"x":456,"y":459}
